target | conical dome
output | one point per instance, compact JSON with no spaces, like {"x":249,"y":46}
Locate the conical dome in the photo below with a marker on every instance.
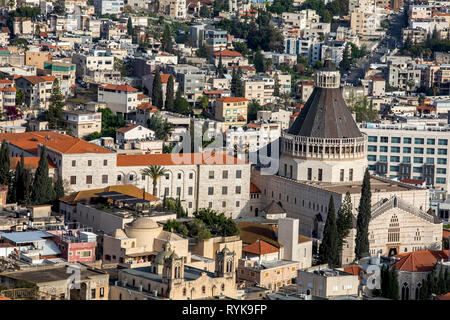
{"x":325,"y":114}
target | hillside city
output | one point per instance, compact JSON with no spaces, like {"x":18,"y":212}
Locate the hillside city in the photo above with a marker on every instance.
{"x":224,"y":150}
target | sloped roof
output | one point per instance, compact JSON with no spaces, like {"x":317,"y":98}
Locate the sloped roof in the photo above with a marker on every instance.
{"x":30,"y":162}
{"x":126,"y":189}
{"x":325,"y":114}
{"x":251,"y":232}
{"x":444,"y":296}
{"x":127,"y":128}
{"x":260,"y":247}
{"x":122,"y":87}
{"x":167,"y":159}
{"x":274,"y":208}
{"x":38,"y":79}
{"x":254,"y":188}
{"x":63,"y":143}
{"x":227,"y":53}
{"x":232,"y":99}
{"x":420,"y":261}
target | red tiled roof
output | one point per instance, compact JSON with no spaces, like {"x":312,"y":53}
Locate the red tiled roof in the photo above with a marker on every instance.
{"x":122,"y":87}
{"x":4,"y":298}
{"x":38,"y":79}
{"x":62,"y":143}
{"x":30,"y":162}
{"x":127,"y":128}
{"x":8,"y":89}
{"x":445,"y":233}
{"x":413,"y":181}
{"x":146,"y":106}
{"x":5,"y":30}
{"x":260,"y":247}
{"x":444,"y":296}
{"x":168,"y":159}
{"x":6,"y":81}
{"x":227,"y":53}
{"x":232,"y":99}
{"x":420,"y":261}
{"x":356,"y":270}
{"x":142,"y":96}
{"x":213,"y":92}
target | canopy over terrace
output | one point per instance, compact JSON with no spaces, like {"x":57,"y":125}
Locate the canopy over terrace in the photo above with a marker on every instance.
{"x":122,"y":198}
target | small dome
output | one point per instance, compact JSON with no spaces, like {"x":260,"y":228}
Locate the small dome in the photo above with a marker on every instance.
{"x":162,"y":255}
{"x":226,"y":250}
{"x":143,"y":223}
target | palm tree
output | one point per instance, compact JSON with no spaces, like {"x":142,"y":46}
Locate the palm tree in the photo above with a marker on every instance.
{"x":155,"y":172}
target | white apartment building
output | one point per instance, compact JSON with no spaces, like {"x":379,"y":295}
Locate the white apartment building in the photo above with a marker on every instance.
{"x":95,"y":61}
{"x":82,"y":122}
{"x":119,"y":98}
{"x":409,"y":152}
{"x":252,"y":138}
{"x":108,"y":6}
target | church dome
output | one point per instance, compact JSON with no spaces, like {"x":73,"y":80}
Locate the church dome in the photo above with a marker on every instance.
{"x":163,"y":255}
{"x":325,"y":114}
{"x":143,"y":223}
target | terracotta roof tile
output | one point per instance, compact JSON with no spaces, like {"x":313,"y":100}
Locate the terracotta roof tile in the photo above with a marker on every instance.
{"x":123,"y":87}
{"x":232,"y":99}
{"x":38,"y":79}
{"x":227,"y":53}
{"x":420,"y":261}
{"x":30,"y":162}
{"x":60,"y":142}
{"x":260,"y":247}
{"x":127,"y":128}
{"x":168,"y":159}
{"x":254,"y":188}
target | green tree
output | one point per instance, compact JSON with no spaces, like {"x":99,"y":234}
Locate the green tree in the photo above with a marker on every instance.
{"x":166,"y":40}
{"x":59,"y":187}
{"x":5,"y":171}
{"x":253,"y":108}
{"x":154,"y":172}
{"x":130,"y":27}
{"x":163,"y":129}
{"x":181,"y":105}
{"x":42,"y":191}
{"x":344,"y":220}
{"x":237,"y":87}
{"x":345,"y":63}
{"x":258,"y":61}
{"x":276,"y":87}
{"x":363,"y":218}
{"x":23,"y":182}
{"x":329,"y":248}
{"x":170,"y":92}
{"x":20,"y":97}
{"x":219,"y":70}
{"x":55,"y":107}
{"x":393,"y":284}
{"x":157,"y":94}
{"x":205,"y":12}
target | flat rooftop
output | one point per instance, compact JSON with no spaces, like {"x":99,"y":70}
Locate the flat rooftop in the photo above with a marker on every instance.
{"x":47,"y":274}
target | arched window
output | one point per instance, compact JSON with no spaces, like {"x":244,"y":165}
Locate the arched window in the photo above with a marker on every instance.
{"x":222,"y":287}
{"x":203,"y":289}
{"x":394,"y":230}
{"x":184,"y":291}
{"x":405,"y":291}
{"x":418,"y":290}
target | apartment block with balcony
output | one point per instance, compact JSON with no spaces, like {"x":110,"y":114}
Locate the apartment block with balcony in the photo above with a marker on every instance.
{"x":232,"y":111}
{"x":37,"y":90}
{"x":409,"y":152}
{"x":82,"y":122}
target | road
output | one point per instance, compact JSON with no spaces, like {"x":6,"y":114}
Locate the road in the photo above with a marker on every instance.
{"x":388,"y":42}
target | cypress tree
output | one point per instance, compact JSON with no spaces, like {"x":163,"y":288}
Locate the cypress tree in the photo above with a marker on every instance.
{"x":5,"y":174}
{"x":424,"y":291}
{"x":276,"y":87}
{"x":328,"y":251}
{"x":12,"y":190}
{"x":384,"y":277}
{"x":344,"y":220}
{"x":170,"y":94}
{"x":433,"y":283}
{"x":59,"y":188}
{"x":55,"y":107}
{"x":130,"y":27}
{"x":393,"y":284}
{"x":363,"y":219}
{"x":157,"y":95}
{"x":166,"y":40}
{"x":42,"y":191}
{"x":220,"y":67}
{"x":23,"y":183}
{"x":441,"y":285}
{"x":447,"y":279}
{"x":259,"y":62}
